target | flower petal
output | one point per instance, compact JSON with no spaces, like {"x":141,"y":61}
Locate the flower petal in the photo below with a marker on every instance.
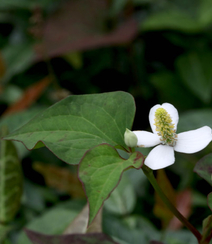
{"x":172,"y":111}
{"x":160,"y":157}
{"x":147,"y":139}
{"x":194,"y":140}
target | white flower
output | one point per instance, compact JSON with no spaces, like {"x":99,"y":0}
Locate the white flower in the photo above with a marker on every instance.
{"x":163,"y":120}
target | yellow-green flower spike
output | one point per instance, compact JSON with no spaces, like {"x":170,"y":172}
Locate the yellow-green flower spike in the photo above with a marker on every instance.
{"x":165,"y":127}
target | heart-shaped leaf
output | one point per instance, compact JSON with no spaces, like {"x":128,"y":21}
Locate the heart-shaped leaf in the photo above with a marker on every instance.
{"x":93,"y":238}
{"x":10,"y":179}
{"x":100,"y":171}
{"x":204,"y":168}
{"x":77,"y":123}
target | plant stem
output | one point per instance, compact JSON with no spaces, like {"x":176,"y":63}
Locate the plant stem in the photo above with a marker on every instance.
{"x":149,"y":173}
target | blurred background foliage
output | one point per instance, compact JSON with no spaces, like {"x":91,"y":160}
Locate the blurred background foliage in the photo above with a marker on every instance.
{"x":159,"y":51}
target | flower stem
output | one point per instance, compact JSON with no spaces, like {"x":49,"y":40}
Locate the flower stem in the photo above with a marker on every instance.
{"x":149,"y":174}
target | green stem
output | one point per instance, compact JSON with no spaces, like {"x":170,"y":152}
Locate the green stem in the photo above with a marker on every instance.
{"x":149,"y":173}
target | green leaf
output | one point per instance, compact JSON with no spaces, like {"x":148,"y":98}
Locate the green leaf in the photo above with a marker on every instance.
{"x":209,"y":200}
{"x":72,"y":126}
{"x":17,"y":120}
{"x":118,"y":6}
{"x":10,"y":179}
{"x":131,"y":229}
{"x":24,"y":4}
{"x":17,"y":58}
{"x":207,"y":229}
{"x":80,"y":223}
{"x":196,"y":72}
{"x":100,"y":171}
{"x":168,"y":89}
{"x":123,"y":199}
{"x":179,"y":237}
{"x":93,"y":238}
{"x":4,"y":230}
{"x":47,"y":223}
{"x":204,"y":168}
{"x":171,"y":20}
{"x":205,"y":12}
{"x":156,"y":242}
{"x":195,"y":119}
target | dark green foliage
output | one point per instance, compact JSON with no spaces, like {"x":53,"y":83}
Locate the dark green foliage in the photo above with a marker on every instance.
{"x":158,"y":51}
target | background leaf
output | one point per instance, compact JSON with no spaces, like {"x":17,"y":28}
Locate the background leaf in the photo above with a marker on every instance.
{"x":156,"y":242}
{"x":169,"y":88}
{"x":47,"y":223}
{"x":60,"y":178}
{"x":84,"y":32}
{"x":205,"y":12}
{"x":183,"y":205}
{"x":195,"y":70}
{"x":10,"y":179}
{"x":207,"y":229}
{"x":29,"y":97}
{"x":160,"y":209}
{"x":80,"y":223}
{"x":23,"y":3}
{"x":100,"y":171}
{"x":131,"y":229}
{"x":17,"y":58}
{"x":170,"y":19}
{"x":72,"y":126}
{"x":123,"y":199}
{"x":195,"y":119}
{"x":179,"y":237}
{"x":4,"y":230}
{"x":2,"y":66}
{"x":14,"y":121}
{"x":38,"y":238}
{"x":96,"y":46}
{"x":209,"y":198}
{"x":204,"y":168}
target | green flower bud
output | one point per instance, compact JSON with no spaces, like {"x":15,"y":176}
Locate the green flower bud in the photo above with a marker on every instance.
{"x":130,"y":138}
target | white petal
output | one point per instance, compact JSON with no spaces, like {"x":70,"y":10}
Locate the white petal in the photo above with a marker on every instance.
{"x":160,"y":157}
{"x":147,"y":139}
{"x":194,"y":140}
{"x":171,"y":110}
{"x":173,"y":113}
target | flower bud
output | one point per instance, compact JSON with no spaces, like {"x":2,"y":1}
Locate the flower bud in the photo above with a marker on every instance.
{"x":130,"y":138}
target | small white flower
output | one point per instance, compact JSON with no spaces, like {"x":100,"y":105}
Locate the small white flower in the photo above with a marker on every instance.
{"x":163,"y":120}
